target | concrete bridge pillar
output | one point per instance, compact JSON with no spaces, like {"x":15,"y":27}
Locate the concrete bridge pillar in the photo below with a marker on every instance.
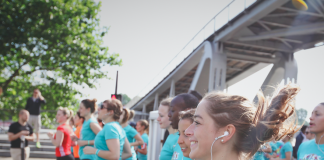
{"x":218,"y":66}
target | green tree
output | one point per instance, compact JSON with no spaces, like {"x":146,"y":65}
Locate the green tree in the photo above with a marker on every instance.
{"x":125,"y":99}
{"x":52,"y":45}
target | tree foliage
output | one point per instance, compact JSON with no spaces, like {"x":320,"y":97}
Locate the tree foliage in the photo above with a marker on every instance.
{"x":52,"y":45}
{"x":301,"y":115}
{"x":125,"y":99}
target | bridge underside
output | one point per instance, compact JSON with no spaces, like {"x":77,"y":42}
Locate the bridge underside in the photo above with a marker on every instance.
{"x":268,"y":32}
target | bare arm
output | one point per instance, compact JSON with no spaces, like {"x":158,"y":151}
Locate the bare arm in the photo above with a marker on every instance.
{"x":95,"y":128}
{"x":58,"y":140}
{"x":30,"y":137}
{"x":13,"y":137}
{"x":139,"y":141}
{"x":142,"y":151}
{"x":113,"y":153}
{"x":126,"y":150}
{"x":288,"y":156}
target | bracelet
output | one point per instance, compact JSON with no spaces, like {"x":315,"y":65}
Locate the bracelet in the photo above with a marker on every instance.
{"x":97,"y":152}
{"x":88,"y":143}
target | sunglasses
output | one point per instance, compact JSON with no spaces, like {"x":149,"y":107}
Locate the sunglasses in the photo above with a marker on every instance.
{"x":308,"y":132}
{"x":102,"y":107}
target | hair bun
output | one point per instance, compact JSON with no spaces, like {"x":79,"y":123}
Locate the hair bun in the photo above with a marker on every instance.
{"x":94,"y":100}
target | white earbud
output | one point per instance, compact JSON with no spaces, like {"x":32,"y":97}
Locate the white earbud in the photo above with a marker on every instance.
{"x":211,"y":148}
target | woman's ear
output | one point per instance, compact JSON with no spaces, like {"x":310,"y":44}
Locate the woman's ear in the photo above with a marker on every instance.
{"x":231,"y":131}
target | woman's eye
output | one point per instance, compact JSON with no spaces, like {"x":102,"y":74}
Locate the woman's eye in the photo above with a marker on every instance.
{"x":196,"y":123}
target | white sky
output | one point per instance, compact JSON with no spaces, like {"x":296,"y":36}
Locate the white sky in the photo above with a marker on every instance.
{"x":148,"y":34}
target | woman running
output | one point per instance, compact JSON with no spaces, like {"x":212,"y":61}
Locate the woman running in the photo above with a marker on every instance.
{"x":186,"y":119}
{"x":314,"y":149}
{"x":90,"y":127}
{"x":111,"y":141}
{"x":78,"y":121}
{"x":165,"y":123}
{"x":230,"y":127}
{"x":132,"y":135}
{"x":142,"y":126}
{"x":61,"y":140}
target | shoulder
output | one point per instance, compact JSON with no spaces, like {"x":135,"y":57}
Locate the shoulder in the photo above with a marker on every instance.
{"x":93,"y":120}
{"x":30,"y":126}
{"x":307,"y":143}
{"x":14,"y":124}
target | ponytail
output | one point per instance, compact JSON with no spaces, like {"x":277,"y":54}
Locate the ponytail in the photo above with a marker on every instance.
{"x":67,"y":112}
{"x":126,"y":115}
{"x":131,"y":114}
{"x":90,"y":104}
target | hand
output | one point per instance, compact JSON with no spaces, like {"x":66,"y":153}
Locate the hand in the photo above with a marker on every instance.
{"x":39,"y":93}
{"x":24,"y":133}
{"x":89,"y":150}
{"x":74,"y":137}
{"x":50,"y":135}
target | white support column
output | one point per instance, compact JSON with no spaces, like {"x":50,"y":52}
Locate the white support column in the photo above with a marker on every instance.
{"x":282,"y":72}
{"x":217,"y":73}
{"x":144,"y":111}
{"x":172,"y":89}
{"x":156,"y":102}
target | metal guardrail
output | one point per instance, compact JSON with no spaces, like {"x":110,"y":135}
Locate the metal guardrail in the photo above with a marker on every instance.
{"x":222,"y":18}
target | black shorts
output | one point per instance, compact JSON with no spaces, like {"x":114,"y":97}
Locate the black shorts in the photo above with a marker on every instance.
{"x":76,"y":158}
{"x":68,"y":157}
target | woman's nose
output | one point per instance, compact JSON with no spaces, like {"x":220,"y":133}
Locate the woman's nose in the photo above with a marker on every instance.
{"x":189,"y":130}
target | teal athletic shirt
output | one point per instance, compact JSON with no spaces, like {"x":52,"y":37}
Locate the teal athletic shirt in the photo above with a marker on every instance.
{"x":145,"y":139}
{"x":171,"y":149}
{"x":309,"y":150}
{"x":258,"y":156}
{"x":273,"y":148}
{"x":87,"y":134}
{"x":287,"y":147}
{"x":130,"y":134}
{"x":111,"y":130}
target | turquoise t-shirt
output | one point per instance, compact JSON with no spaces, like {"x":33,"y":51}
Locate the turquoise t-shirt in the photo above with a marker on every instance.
{"x":111,"y":130}
{"x":145,"y":139}
{"x":309,"y":151}
{"x":130,"y":134}
{"x":258,"y":156}
{"x":273,"y":148}
{"x":287,"y":147}
{"x":171,"y":149}
{"x":87,"y":134}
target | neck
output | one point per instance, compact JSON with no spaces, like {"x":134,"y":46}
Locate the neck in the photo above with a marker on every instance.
{"x":108,"y":119}
{"x":87,"y":117}
{"x":171,"y":130}
{"x":141,"y":132}
{"x":22,"y":122}
{"x":124,"y":125}
{"x":34,"y":96}
{"x":224,"y":153}
{"x":318,"y":138}
{"x":64,"y":122}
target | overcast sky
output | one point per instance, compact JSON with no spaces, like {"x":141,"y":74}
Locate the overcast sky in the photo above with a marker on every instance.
{"x":148,"y":34}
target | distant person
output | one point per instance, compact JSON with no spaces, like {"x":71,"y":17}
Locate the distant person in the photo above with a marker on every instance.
{"x":300,"y":138}
{"x":110,"y":142}
{"x":186,"y":119}
{"x":90,"y":127}
{"x":134,"y":138}
{"x":142,"y":127}
{"x":181,"y":102}
{"x":309,"y":134}
{"x":132,"y":124}
{"x":165,"y":123}
{"x":18,"y":132}
{"x":61,"y":139}
{"x":314,"y":149}
{"x":33,"y":106}
{"x":78,"y":121}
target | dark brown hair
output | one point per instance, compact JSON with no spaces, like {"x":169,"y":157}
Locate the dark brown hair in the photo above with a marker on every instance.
{"x":126,"y":115}
{"x":79,"y":115}
{"x":145,"y":123}
{"x":187,"y":115}
{"x":254,"y":126}
{"x":116,"y":106}
{"x":90,"y":104}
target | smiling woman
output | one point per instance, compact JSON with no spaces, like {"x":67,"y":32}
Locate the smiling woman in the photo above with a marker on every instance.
{"x":186,"y":119}
{"x":241,"y":127}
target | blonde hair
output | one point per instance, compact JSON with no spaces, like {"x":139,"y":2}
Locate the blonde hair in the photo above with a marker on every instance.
{"x":254,"y":126}
{"x":166,"y":102}
{"x":67,"y":112}
{"x":145,"y":123}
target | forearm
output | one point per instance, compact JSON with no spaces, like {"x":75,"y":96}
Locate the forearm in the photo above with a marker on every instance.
{"x":85,"y":142}
{"x":137,"y":143}
{"x":29,"y":138}
{"x":55,"y":142}
{"x":126,"y":155}
{"x":108,"y":154}
{"x":14,"y":137}
{"x":142,"y":151}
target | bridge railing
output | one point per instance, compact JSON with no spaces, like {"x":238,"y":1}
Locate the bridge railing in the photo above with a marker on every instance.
{"x":222,"y":18}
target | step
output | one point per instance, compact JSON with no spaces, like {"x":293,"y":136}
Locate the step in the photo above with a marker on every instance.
{"x":42,"y":142}
{"x":32,"y":147}
{"x":33,"y":154}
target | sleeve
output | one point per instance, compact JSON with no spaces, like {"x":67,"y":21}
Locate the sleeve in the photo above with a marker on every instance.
{"x":12,"y":128}
{"x":111,"y":132}
{"x":60,"y":128}
{"x":30,"y":129}
{"x":287,"y":148}
{"x":43,"y":101}
{"x":133,"y":132}
{"x":93,"y":120}
{"x":166,"y":152}
{"x":27,"y":104}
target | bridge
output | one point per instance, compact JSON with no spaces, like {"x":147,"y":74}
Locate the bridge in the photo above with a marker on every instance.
{"x":241,"y":39}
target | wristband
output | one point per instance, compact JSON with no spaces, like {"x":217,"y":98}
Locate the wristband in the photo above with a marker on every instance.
{"x":97,"y":152}
{"x":88,"y":143}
